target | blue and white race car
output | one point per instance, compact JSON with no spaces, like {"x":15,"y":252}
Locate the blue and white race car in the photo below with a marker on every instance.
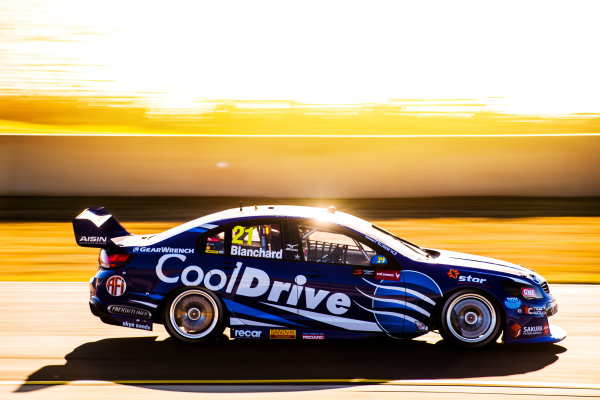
{"x":304,"y":273}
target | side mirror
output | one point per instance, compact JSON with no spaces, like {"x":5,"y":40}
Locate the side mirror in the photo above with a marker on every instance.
{"x":378,"y":260}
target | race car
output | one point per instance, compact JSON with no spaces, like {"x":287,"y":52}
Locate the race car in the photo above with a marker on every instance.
{"x":305,"y":273}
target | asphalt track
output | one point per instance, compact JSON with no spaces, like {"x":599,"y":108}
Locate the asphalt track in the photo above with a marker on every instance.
{"x":51,"y":347}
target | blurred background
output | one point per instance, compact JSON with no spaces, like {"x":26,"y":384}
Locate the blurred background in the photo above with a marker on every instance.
{"x":461,"y":125}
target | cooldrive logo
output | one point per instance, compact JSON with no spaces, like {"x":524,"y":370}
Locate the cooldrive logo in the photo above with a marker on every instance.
{"x":261,"y":253}
{"x":254,"y":282}
{"x":162,"y":250}
{"x":93,"y":239}
{"x":129,"y":311}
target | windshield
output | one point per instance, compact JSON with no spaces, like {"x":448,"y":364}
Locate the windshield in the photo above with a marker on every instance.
{"x":393,"y":241}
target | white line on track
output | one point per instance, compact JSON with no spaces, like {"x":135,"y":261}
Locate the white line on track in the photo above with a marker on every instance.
{"x":424,"y":382}
{"x":326,"y":136}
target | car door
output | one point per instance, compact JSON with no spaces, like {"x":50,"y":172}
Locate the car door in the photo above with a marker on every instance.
{"x":250,"y":253}
{"x":341,"y":274}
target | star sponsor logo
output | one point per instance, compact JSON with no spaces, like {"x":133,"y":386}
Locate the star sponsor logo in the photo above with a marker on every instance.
{"x":471,"y":279}
{"x":387,"y":275}
{"x":282,"y":334}
{"x":453,"y":273}
{"x":115,"y":285}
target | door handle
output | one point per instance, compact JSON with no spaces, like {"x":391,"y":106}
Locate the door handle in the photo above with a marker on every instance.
{"x":314,"y":274}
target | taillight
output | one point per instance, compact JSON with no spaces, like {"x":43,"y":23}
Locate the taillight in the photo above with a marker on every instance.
{"x":116,"y":260}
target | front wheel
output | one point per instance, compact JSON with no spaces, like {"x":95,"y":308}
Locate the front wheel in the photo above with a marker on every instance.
{"x":194,"y":316}
{"x":470,"y":319}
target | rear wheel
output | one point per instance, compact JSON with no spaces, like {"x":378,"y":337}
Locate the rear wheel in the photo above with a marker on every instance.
{"x":194,"y":316}
{"x":470,"y":319}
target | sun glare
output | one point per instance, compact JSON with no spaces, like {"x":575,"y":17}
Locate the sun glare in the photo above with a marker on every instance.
{"x":537,"y":56}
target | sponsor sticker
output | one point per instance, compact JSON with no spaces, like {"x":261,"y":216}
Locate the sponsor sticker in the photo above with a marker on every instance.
{"x":421,"y":327}
{"x":93,"y":239}
{"x":387,"y":275}
{"x":470,"y":279}
{"x":282,"y":334}
{"x":379,"y":260}
{"x":363,"y":272}
{"x":546,"y":329}
{"x":163,"y":249}
{"x":246,"y":334}
{"x":515,"y":330}
{"x":135,"y":323}
{"x":453,"y":273}
{"x":528,"y":293}
{"x":533,"y":330}
{"x":128,"y":310}
{"x":313,"y":336}
{"x":512,"y":303}
{"x":534,"y":310}
{"x":115,"y":285}
{"x":253,"y":282}
{"x":138,"y":325}
{"x":291,"y":247}
{"x":258,"y":252}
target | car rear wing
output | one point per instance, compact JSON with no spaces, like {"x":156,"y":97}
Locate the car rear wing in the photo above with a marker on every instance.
{"x":95,"y":227}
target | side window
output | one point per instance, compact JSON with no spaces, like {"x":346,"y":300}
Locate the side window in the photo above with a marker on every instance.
{"x":324,"y":246}
{"x":261,"y":241}
{"x":215,"y":243}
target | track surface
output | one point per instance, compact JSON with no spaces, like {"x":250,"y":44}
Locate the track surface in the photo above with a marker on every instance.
{"x":49,"y":335}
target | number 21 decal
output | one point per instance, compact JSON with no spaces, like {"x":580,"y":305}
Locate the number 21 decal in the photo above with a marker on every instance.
{"x":238,"y":234}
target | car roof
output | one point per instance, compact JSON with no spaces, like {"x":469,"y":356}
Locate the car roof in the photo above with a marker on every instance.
{"x":325,"y":214}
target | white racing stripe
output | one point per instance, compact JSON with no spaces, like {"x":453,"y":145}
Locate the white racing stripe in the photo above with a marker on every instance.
{"x":403,"y":290}
{"x":393,"y":314}
{"x":245,"y":322}
{"x":401,"y":302}
{"x":406,"y":383}
{"x":340,"y":322}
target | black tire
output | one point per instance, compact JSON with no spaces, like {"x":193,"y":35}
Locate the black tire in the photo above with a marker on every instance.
{"x":194,"y":315}
{"x":470,"y":319}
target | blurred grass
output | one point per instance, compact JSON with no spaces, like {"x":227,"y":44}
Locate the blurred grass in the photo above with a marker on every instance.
{"x":563,"y":249}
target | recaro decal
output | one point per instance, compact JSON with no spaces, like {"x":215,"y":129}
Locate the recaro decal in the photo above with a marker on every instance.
{"x":255,"y":282}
